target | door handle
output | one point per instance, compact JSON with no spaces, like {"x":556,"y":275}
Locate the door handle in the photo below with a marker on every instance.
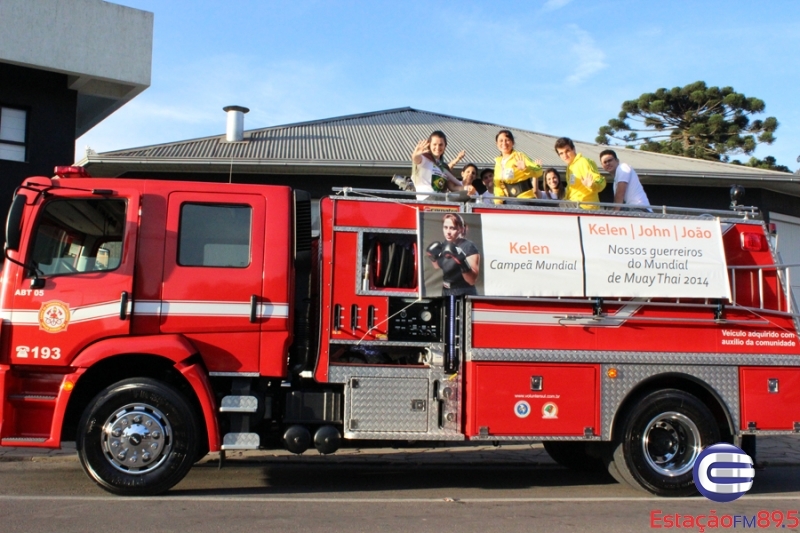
{"x":123,"y":306}
{"x":253,"y":309}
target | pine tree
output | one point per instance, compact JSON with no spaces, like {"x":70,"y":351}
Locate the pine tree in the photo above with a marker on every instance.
{"x":693,"y":121}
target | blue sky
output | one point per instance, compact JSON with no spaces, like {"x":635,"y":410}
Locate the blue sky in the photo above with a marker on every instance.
{"x":560,"y":67}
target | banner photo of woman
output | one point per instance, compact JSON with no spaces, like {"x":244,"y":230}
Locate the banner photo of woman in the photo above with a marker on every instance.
{"x":451,"y":261}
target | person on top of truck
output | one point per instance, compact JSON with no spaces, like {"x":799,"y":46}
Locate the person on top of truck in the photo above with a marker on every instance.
{"x":515,"y":174}
{"x":584,"y":182}
{"x":430,"y":173}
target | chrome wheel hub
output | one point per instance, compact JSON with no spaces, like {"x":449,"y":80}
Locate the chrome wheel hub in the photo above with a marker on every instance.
{"x":671,"y":442}
{"x":137,"y":438}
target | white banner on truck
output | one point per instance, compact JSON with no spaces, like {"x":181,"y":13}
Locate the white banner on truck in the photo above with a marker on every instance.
{"x":527,"y":255}
{"x":654,"y":258}
{"x":508,"y":254}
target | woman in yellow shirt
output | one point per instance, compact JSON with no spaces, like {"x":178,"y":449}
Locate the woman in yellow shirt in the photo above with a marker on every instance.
{"x":515,"y":175}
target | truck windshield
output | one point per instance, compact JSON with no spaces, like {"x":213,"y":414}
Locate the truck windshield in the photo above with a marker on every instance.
{"x":79,"y":235}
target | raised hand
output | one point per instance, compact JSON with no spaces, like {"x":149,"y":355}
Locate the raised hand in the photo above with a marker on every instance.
{"x":423,"y":147}
{"x":588,"y":181}
{"x":520,"y":161}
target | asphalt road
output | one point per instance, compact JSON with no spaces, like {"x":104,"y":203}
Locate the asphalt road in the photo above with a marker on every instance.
{"x":246,"y":495}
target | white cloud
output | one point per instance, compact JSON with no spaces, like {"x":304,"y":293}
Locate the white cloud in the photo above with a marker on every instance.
{"x":552,"y":5}
{"x":590,"y":59}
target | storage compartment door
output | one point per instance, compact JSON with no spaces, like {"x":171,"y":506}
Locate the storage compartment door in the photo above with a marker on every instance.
{"x":770,"y":398}
{"x":388,"y":404}
{"x":513,"y":399}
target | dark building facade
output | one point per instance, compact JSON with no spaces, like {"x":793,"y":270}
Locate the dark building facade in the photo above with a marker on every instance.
{"x":62,"y":71}
{"x":47,"y":110}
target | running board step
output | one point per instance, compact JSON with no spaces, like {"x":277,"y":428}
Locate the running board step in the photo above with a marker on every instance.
{"x":239,"y":404}
{"x":241,"y":441}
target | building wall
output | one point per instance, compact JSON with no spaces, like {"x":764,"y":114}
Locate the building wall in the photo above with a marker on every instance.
{"x":104,"y":48}
{"x":50,"y":128}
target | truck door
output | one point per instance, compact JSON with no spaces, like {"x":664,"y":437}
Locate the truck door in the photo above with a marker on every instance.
{"x":83,"y":250}
{"x":213,"y":267}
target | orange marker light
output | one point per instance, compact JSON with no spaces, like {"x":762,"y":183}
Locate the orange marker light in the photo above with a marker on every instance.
{"x":611,"y":372}
{"x":68,"y":386}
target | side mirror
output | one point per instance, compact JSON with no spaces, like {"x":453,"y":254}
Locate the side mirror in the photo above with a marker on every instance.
{"x":13,"y":223}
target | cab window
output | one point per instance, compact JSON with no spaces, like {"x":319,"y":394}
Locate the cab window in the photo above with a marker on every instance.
{"x":79,"y":235}
{"x":215,"y":235}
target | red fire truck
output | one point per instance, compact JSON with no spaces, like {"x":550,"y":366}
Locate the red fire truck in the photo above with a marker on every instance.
{"x":154,"y":321}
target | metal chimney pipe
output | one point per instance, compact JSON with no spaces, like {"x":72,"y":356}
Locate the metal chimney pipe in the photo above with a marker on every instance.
{"x":235,"y":130}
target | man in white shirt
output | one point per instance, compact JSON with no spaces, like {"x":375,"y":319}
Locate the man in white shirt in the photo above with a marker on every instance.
{"x":628,"y":189}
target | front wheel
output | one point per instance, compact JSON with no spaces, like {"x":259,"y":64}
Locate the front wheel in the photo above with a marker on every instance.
{"x":138,"y":437}
{"x":662,"y":435}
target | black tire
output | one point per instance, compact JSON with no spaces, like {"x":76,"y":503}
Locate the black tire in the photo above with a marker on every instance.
{"x":575,"y":455}
{"x":662,"y":435}
{"x":138,"y":437}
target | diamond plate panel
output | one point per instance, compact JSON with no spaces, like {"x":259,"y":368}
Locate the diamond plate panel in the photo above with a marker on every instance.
{"x":663,"y":358}
{"x":404,"y":435}
{"x":764,"y":432}
{"x":343,"y":373}
{"x":532,"y":438}
{"x":723,"y":380}
{"x":241,"y":441}
{"x":239,"y":404}
{"x":388,"y":404}
{"x":447,"y":401}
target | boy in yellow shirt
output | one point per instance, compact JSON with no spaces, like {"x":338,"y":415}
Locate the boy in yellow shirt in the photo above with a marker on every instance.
{"x":584,"y":182}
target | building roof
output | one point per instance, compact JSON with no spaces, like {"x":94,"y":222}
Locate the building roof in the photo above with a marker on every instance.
{"x":380,"y":143}
{"x":104,"y":49}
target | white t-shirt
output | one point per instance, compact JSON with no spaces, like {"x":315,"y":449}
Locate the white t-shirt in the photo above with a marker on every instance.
{"x":424,"y":174}
{"x":634,"y":194}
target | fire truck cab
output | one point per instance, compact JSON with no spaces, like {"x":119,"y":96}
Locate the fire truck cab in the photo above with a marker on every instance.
{"x":154,"y":321}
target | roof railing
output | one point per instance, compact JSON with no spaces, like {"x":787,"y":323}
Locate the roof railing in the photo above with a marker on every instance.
{"x":738,"y":211}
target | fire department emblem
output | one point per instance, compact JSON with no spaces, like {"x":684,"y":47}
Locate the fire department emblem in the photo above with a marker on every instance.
{"x":54,"y":316}
{"x":549,"y":410}
{"x":522,"y":409}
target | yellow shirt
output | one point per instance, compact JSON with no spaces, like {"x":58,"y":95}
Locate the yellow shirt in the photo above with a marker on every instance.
{"x":508,"y":174}
{"x":576,"y":190}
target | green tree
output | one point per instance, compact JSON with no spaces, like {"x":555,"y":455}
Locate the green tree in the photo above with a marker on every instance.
{"x":768,"y":163}
{"x":693,"y":121}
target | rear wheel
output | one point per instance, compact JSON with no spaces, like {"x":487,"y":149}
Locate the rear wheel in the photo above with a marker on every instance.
{"x":138,"y":437}
{"x":662,"y":435}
